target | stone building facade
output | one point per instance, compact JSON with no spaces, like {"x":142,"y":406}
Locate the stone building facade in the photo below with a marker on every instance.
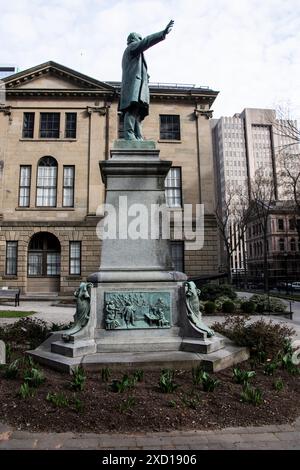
{"x":55,"y":126}
{"x":282,"y":245}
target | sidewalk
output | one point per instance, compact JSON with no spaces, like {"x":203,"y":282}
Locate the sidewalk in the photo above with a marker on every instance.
{"x":269,"y":437}
{"x":45,"y":310}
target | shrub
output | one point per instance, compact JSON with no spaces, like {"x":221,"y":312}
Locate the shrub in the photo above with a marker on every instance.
{"x":248,"y":306}
{"x":220,"y":300}
{"x":259,"y":308}
{"x":228,"y":306}
{"x":166,"y":381}
{"x":34,"y":377}
{"x":210,"y":308}
{"x":228,"y":291}
{"x":79,"y":379}
{"x":242,"y":376}
{"x":209,"y":292}
{"x":27,"y":331}
{"x":265,"y":304}
{"x":251,"y":395}
{"x":277,"y":306}
{"x":213,"y":291}
{"x":264,"y":339}
{"x":60,"y":326}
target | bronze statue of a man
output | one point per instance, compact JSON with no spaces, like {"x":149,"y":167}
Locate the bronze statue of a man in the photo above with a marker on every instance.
{"x":134,"y":100}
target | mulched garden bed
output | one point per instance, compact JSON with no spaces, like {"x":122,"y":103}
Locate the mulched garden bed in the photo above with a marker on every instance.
{"x":99,"y":409}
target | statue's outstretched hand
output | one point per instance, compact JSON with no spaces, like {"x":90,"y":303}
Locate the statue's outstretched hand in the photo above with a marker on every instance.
{"x":169,"y":27}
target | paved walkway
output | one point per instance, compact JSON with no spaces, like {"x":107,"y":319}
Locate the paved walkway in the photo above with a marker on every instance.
{"x":45,"y":310}
{"x":283,"y":437}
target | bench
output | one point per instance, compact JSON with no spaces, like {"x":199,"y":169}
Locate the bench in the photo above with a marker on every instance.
{"x":10,"y":294}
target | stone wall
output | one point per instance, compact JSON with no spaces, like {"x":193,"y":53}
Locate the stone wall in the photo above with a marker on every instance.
{"x":90,"y":252}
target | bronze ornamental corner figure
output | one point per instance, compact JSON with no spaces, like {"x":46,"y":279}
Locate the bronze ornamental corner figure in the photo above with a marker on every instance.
{"x":82,"y":313}
{"x":193,"y":308}
{"x":134,"y":100}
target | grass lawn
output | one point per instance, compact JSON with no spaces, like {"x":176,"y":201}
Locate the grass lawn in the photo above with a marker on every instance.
{"x":14,"y":314}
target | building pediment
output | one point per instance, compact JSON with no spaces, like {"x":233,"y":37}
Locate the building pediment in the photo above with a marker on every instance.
{"x":51,"y":76}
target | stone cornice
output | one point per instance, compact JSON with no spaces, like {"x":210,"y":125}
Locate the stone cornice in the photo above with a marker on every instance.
{"x":60,"y":71}
{"x":58,"y":93}
{"x":89,"y":87}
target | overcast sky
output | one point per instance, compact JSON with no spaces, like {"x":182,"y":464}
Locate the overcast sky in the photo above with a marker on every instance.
{"x":246,"y":49}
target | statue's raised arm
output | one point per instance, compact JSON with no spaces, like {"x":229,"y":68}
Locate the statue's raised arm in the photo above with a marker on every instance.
{"x":169,"y":27}
{"x":134,"y":99}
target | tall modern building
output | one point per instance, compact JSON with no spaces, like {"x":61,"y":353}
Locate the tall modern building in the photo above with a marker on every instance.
{"x":247,"y":142}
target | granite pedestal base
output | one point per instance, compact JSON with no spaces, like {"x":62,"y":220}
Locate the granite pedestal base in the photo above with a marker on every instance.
{"x":97,"y":347}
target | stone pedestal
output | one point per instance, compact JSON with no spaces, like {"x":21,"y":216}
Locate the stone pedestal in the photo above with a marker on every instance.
{"x":138,"y":314}
{"x":134,"y":179}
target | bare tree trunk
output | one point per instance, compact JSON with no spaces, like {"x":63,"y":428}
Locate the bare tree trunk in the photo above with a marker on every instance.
{"x":245,"y":261}
{"x":229,"y":276}
{"x":266,"y":269}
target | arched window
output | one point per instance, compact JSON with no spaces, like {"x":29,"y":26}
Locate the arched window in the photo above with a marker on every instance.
{"x":46,"y":182}
{"x":44,"y":255}
{"x":293,"y":244}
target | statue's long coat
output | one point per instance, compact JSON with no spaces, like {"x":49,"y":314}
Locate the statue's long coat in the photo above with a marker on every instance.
{"x":134,"y":74}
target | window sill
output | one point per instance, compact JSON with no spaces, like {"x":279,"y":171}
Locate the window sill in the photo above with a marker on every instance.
{"x":9,"y":276}
{"x":73,"y":277}
{"x":55,"y":139}
{"x":166,"y":141}
{"x":54,"y":276}
{"x":53,"y":209}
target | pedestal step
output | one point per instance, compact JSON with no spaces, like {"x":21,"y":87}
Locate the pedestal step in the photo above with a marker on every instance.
{"x":55,"y":361}
{"x":79,"y":348}
{"x":213,"y":362}
{"x":206,"y":346}
{"x":140,"y":345}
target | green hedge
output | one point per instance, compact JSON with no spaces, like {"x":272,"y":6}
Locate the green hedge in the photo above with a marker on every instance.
{"x":214,"y":291}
